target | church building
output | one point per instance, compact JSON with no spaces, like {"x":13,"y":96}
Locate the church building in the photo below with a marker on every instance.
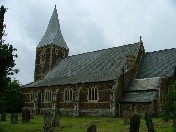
{"x":99,"y":83}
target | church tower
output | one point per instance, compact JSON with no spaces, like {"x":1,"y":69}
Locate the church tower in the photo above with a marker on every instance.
{"x":50,"y":49}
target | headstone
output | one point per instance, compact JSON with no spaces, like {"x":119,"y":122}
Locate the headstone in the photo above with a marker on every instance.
{"x":56,"y":121}
{"x":149,"y":123}
{"x":32,"y":117}
{"x":3,"y":116}
{"x":92,"y":128}
{"x":134,"y":122}
{"x":47,"y":122}
{"x":26,"y":115}
{"x":126,"y":117}
{"x":47,"y":118}
{"x":14,"y":118}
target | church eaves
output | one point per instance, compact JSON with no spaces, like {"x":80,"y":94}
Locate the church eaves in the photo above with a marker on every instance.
{"x":53,"y":33}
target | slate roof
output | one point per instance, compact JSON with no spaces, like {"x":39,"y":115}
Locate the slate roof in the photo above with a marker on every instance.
{"x":138,"y":97}
{"x":101,"y":65}
{"x":142,"y":90}
{"x":53,"y":33}
{"x":145,"y":84}
{"x":157,"y":63}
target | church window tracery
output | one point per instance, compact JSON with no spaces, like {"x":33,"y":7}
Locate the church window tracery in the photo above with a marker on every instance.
{"x":42,"y":57}
{"x":50,"y":96}
{"x":68,"y":94}
{"x":93,"y":94}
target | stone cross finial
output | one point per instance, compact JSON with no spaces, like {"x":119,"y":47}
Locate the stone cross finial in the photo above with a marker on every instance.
{"x":140,"y":38}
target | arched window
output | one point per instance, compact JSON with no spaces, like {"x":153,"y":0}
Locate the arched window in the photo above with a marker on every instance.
{"x":68,"y":93}
{"x":42,"y":57}
{"x":32,"y":96}
{"x":50,"y":96}
{"x":93,"y":94}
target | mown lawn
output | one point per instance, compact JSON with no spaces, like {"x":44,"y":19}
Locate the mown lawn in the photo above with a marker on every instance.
{"x":80,"y":124}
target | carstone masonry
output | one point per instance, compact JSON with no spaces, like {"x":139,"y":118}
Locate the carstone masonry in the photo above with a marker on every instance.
{"x":99,"y":83}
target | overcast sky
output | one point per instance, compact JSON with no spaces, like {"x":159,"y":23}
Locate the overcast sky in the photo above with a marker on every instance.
{"x":88,"y":25}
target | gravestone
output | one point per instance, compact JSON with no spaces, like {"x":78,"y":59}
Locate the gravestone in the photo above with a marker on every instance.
{"x":26,"y":115}
{"x":125,"y":117}
{"x":92,"y":128}
{"x":56,"y":122}
{"x":47,"y":122}
{"x":47,"y":118}
{"x":134,"y":122}
{"x":3,"y":116}
{"x":14,"y":118}
{"x":149,"y":123}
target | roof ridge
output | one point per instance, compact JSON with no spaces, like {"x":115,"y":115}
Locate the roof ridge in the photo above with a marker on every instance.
{"x":160,"y":50}
{"x":103,"y":49}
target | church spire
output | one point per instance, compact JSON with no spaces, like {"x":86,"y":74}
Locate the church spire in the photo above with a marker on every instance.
{"x":53,"y":33}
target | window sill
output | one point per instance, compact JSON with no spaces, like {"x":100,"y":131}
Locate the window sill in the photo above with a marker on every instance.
{"x":93,"y":101}
{"x":68,"y":101}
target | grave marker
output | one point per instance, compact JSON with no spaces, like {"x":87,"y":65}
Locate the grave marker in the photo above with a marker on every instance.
{"x":3,"y":116}
{"x":14,"y":118}
{"x":134,"y":122}
{"x":149,"y":123}
{"x":92,"y":128}
{"x":26,"y":115}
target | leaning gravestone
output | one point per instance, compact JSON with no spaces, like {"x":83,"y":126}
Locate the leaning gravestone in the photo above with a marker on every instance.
{"x":149,"y":123}
{"x":92,"y":128}
{"x":134,"y":122}
{"x":26,"y":116}
{"x":14,"y":118}
{"x":3,"y":116}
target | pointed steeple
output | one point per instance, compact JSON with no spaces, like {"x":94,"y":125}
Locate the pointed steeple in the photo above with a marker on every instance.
{"x":53,"y":33}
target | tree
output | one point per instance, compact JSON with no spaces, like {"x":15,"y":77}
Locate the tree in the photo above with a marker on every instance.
{"x":169,"y":105}
{"x":7,"y":61}
{"x":13,"y":97}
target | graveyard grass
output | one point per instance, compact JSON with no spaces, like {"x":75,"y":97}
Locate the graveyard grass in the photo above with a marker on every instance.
{"x":80,"y":124}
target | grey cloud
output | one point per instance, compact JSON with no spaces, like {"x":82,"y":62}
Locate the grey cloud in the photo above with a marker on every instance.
{"x":89,"y":25}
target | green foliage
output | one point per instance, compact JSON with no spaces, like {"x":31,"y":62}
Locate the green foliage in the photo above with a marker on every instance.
{"x":169,"y":105}
{"x":11,"y":98}
{"x":7,"y":61}
{"x":9,"y":91}
{"x":7,"y":64}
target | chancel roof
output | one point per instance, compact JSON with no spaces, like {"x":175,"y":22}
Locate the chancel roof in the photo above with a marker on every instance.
{"x":53,"y":33}
{"x":145,"y":84}
{"x":101,"y":65}
{"x":157,"y":63}
{"x":142,"y":90}
{"x":139,"y":97}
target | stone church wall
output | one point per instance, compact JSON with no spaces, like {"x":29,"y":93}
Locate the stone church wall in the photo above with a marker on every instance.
{"x":98,"y":107}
